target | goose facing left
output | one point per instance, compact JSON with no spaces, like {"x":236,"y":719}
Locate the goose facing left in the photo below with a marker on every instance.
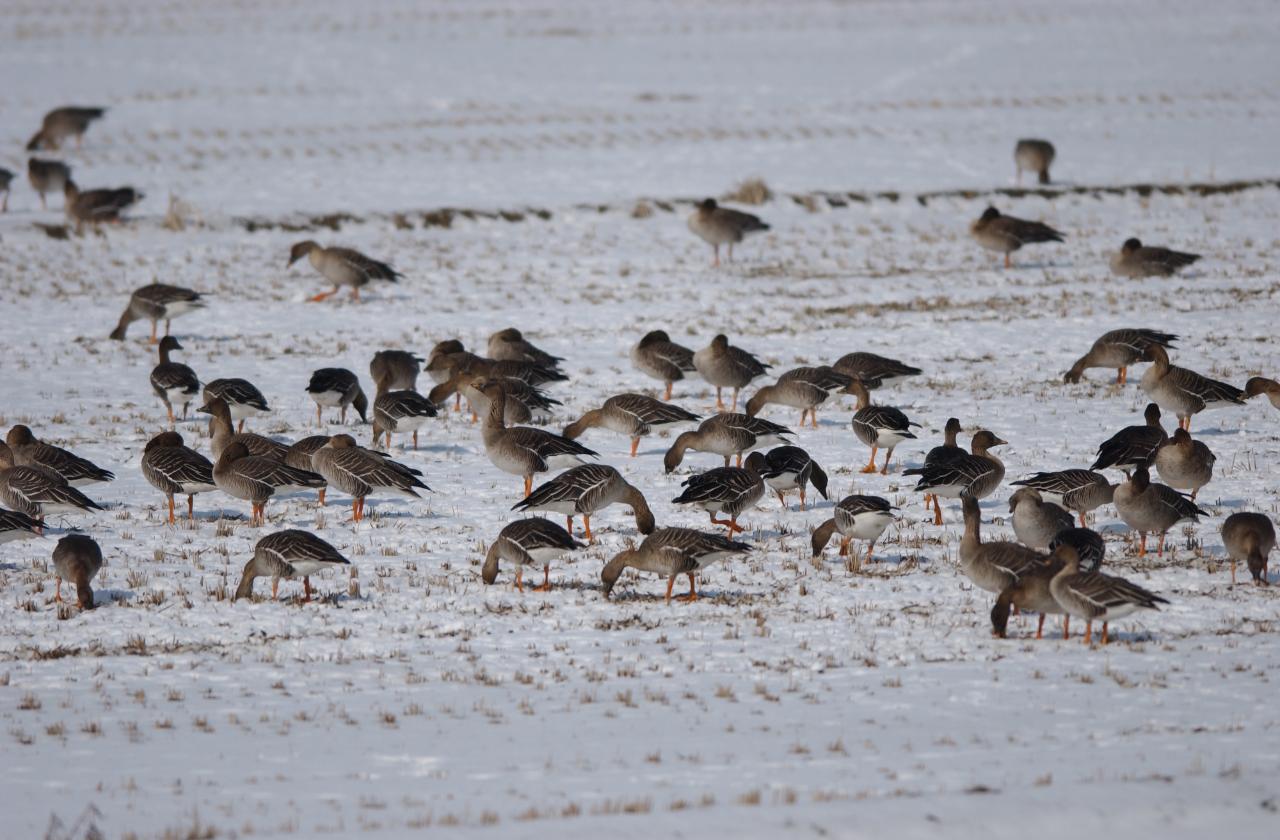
{"x":342,"y":267}
{"x":173,"y":468}
{"x":173,"y":382}
{"x":64,"y":122}
{"x":155,"y":303}
{"x":37,"y":492}
{"x":30,"y":452}
{"x":289,"y":554}
{"x":528,"y":542}
{"x":1006,"y":234}
{"x":671,"y":552}
{"x":718,"y":226}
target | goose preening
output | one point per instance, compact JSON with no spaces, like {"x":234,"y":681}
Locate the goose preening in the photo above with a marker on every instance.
{"x":342,"y":267}
{"x":878,"y":426}
{"x":173,"y":382}
{"x":726,"y":366}
{"x":727,"y":435}
{"x":1033,"y":155}
{"x":660,"y":358}
{"x":62,"y":123}
{"x":718,"y":226}
{"x":1137,"y":260}
{"x":1151,"y":508}
{"x":584,"y":491}
{"x":242,"y":397}
{"x":290,"y":555}
{"x":633,"y":415}
{"x":173,"y":468}
{"x":1095,"y":596}
{"x":788,"y":468}
{"x":1006,"y":234}
{"x":522,"y":450}
{"x":1118,"y":350}
{"x":1184,"y":392}
{"x":337,"y":388}
{"x":1249,"y":538}
{"x":77,"y":558}
{"x":728,"y":490}
{"x":1079,"y":491}
{"x":155,"y":303}
{"x":28,"y":451}
{"x":528,"y":542}
{"x":671,"y":552}
{"x":854,"y":518}
{"x":973,"y":475}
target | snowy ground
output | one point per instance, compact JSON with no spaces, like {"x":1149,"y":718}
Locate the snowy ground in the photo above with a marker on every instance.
{"x":797,"y":697}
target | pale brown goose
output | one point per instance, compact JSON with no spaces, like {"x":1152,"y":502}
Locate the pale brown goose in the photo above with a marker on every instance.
{"x":992,"y":566}
{"x":342,"y":267}
{"x":77,"y":558}
{"x":30,"y":452}
{"x":337,"y":388}
{"x":223,"y":434}
{"x":1183,"y":391}
{"x":804,"y":388}
{"x":510,"y":345}
{"x":172,"y":468}
{"x":242,"y":397}
{"x":525,"y":403}
{"x":1262,"y":385}
{"x":288,"y":554}
{"x":64,"y":122}
{"x":1137,"y":260}
{"x":854,"y":518}
{"x":528,"y":542}
{"x":1094,"y":596}
{"x":359,"y":473}
{"x":633,"y":415}
{"x":727,"y":435}
{"x":47,"y":176}
{"x":718,"y":226}
{"x":1031,"y":592}
{"x":874,"y":371}
{"x":1249,"y":538}
{"x":729,"y":490}
{"x":974,"y":475}
{"x":155,"y":303}
{"x":1034,"y":155}
{"x":584,"y":491}
{"x":1118,"y":349}
{"x":1006,"y":234}
{"x":94,"y":207}
{"x":671,"y":552}
{"x":941,"y":454}
{"x":1133,"y":446}
{"x":1185,"y":464}
{"x":395,"y":370}
{"x":878,"y":426}
{"x":788,"y":468}
{"x":15,"y":525}
{"x":725,"y":366}
{"x":521,"y":450}
{"x":400,"y":411}
{"x":37,"y":492}
{"x":174,"y":383}
{"x":1035,"y":521}
{"x":1079,"y":491}
{"x":657,"y":356}
{"x":1152,"y":508}
{"x":256,"y":480}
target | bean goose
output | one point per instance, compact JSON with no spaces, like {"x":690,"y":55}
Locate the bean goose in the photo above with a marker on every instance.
{"x":77,"y":558}
{"x":525,"y":403}
{"x":854,"y":518}
{"x":1133,"y":446}
{"x":1118,"y":349}
{"x":172,"y":468}
{"x":1095,"y":596}
{"x":671,"y":552}
{"x":725,"y":366}
{"x":633,"y":415}
{"x":93,"y":207}
{"x":242,"y":397}
{"x":37,"y":492}
{"x":993,"y":566}
{"x":61,"y":123}
{"x":6,"y":178}
{"x":660,"y":358}
{"x":15,"y":526}
{"x":976,"y":475}
{"x":1079,"y":491}
{"x":1152,"y":508}
{"x":584,"y":491}
{"x":729,"y":490}
{"x":1249,"y":538}
{"x":874,"y":371}
{"x":510,"y":345}
{"x":289,"y":554}
{"x":1086,"y":542}
{"x":727,"y":435}
{"x":878,"y":426}
{"x":441,"y":366}
{"x":1035,"y":521}
{"x":1034,"y":155}
{"x":1006,"y":234}
{"x":30,"y":452}
{"x":1183,"y":391}
{"x":48,"y":176}
{"x":395,"y":370}
{"x":155,"y":303}
{"x":941,"y":454}
{"x":342,"y":267}
{"x":358,"y":473}
{"x":718,"y":226}
{"x":1185,"y":464}
{"x":400,"y":411}
{"x":223,"y":434}
{"x":1031,"y":592}
{"x":1137,"y":260}
{"x":804,"y":388}
{"x":528,"y":542}
{"x":521,"y":450}
{"x":788,"y":468}
{"x":255,"y":479}
{"x":337,"y":388}
{"x":173,"y":383}
{"x":1261,"y":385}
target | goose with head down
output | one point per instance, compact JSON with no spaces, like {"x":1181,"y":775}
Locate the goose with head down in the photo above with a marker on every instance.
{"x":878,"y":426}
{"x":804,"y":388}
{"x":633,"y":415}
{"x":727,"y":435}
{"x":1034,"y":155}
{"x":584,"y":491}
{"x":242,"y":397}
{"x":728,"y":490}
{"x":854,"y":518}
{"x":94,"y":207}
{"x":155,"y":303}
{"x":1118,"y":349}
{"x":77,"y":558}
{"x":1262,"y":385}
{"x":47,"y":176}
{"x":525,"y":403}
{"x":1095,"y":596}
{"x":671,"y":552}
{"x":69,"y":121}
{"x":360,"y":473}
{"x":874,"y":371}
{"x":1249,"y":538}
{"x":528,"y":542}
{"x":256,"y":479}
{"x":289,"y":554}
{"x":788,"y":468}
{"x":222,"y":434}
{"x":510,"y":345}
{"x":337,"y":388}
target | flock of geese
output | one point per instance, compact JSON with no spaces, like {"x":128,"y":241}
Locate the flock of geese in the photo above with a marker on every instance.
{"x":1053,"y":567}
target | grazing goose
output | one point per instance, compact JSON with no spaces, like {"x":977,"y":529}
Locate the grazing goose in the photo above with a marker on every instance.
{"x":726,"y":434}
{"x":633,"y":415}
{"x":47,"y":176}
{"x":400,"y":411}
{"x":1133,"y":446}
{"x":242,"y":397}
{"x":6,"y":178}
{"x":1087,"y":543}
{"x":725,"y":366}
{"x":395,"y":370}
{"x":1152,"y":508}
{"x":941,"y":454}
{"x":528,"y":542}
{"x":974,"y":475}
{"x":521,"y":450}
{"x":1137,"y":260}
{"x":223,"y":434}
{"x":1006,"y":234}
{"x":444,"y":366}
{"x":854,"y":518}
{"x":1249,"y":538}
{"x":585,"y":490}
{"x":878,"y":426}
{"x":874,"y":371}
{"x":1118,"y":349}
{"x":788,"y":468}
{"x":804,"y":388}
{"x":1035,"y":521}
{"x":718,"y":226}
{"x":342,"y":267}
{"x":525,"y":403}
{"x":509,"y":345}
{"x":290,"y":555}
{"x":37,"y":492}
{"x":1080,"y":491}
{"x":173,"y":382}
{"x":16,"y":526}
{"x":337,"y":388}
{"x":730,"y":490}
{"x":671,"y":552}
{"x":29,"y":452}
{"x":992,"y":566}
{"x":172,"y":468}
{"x":657,"y":356}
{"x":1094,"y":596}
{"x":1261,"y":385}
{"x":77,"y":558}
{"x":61,"y":123}
{"x":359,"y":472}
{"x":1185,"y":464}
{"x":1034,"y":156}
{"x":97,"y":206}
{"x":157,"y":302}
{"x":1182,"y":391}
{"x":255,"y":479}
{"x":1031,"y":592}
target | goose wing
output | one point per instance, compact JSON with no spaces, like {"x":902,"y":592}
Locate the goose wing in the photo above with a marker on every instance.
{"x":370,"y":268}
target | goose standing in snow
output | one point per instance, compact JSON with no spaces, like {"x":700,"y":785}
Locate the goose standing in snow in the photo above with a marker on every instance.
{"x":172,"y":468}
{"x":242,"y":397}
{"x":584,"y":491}
{"x":1006,"y":234}
{"x":62,"y":123}
{"x":1035,"y":521}
{"x":400,"y":411}
{"x":528,"y":542}
{"x":359,"y":473}
{"x":1249,"y":538}
{"x":395,"y":370}
{"x":788,"y":468}
{"x":521,"y":450}
{"x":854,"y":518}
{"x":804,"y":388}
{"x":874,"y":371}
{"x":1185,"y":464}
{"x":47,"y":176}
{"x":726,"y":366}
{"x":38,"y":492}
{"x":1118,"y":349}
{"x":727,"y":435}
{"x":93,"y":207}
{"x":1184,"y":392}
{"x":1262,"y":385}
{"x":342,"y":267}
{"x":1152,"y":508}
{"x":174,"y":383}
{"x":1133,"y":446}
{"x":256,"y":479}
{"x":525,"y":403}
{"x":660,"y":358}
{"x":155,"y":303}
{"x":1095,"y":596}
{"x":993,"y":566}
{"x":718,"y":226}
{"x":337,"y":388}
{"x":77,"y":558}
{"x":633,"y":415}
{"x":671,"y":552}
{"x":289,"y":554}
{"x":30,"y":452}
{"x":946,"y":451}
{"x":878,"y":426}
{"x":1034,"y":155}
{"x":1031,"y":592}
{"x":729,"y":490}
{"x":1079,"y":491}
{"x":509,"y":345}
{"x":975,"y":475}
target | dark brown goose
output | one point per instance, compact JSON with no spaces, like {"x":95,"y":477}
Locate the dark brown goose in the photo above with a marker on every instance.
{"x":77,"y":558}
{"x":727,"y":435}
{"x":1118,"y":349}
{"x":657,"y":356}
{"x":359,"y":473}
{"x":975,"y":475}
{"x":174,"y":383}
{"x":395,"y":370}
{"x":1249,"y":538}
{"x":804,"y":388}
{"x":16,"y":526}
{"x":874,"y":371}
{"x":521,"y":450}
{"x":47,"y":176}
{"x":1030,"y":593}
{"x":728,"y":490}
{"x":1133,"y":446}
{"x":941,"y":454}
{"x":242,"y":397}
{"x":30,"y":452}
{"x":172,"y":468}
{"x":337,"y":388}
{"x":509,"y":345}
{"x":788,"y":468}
{"x":1137,"y":260}
{"x":94,"y":207}
{"x":1006,"y":234}
{"x":256,"y":480}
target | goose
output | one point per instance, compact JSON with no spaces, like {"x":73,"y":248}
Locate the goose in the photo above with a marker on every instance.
{"x":788,"y":468}
{"x":1118,"y":349}
{"x":510,"y":345}
{"x":400,"y":411}
{"x":242,"y":397}
{"x":584,"y":491}
{"x":342,"y":267}
{"x":1249,"y":538}
{"x":64,"y":122}
{"x":97,"y":206}
{"x":77,"y":558}
{"x":1087,"y":542}
{"x":1152,"y":508}
{"x":16,"y":526}
{"x":1137,"y":260}
{"x":729,"y":490}
{"x":671,"y":552}
{"x":337,"y":388}
{"x":155,"y":303}
{"x":256,"y":479}
{"x":1035,"y":521}
{"x":525,"y":403}
{"x":874,"y":371}
{"x":395,"y":370}
{"x":1182,"y":391}
{"x":47,"y":176}
{"x":447,"y":367}
{"x":37,"y":492}
{"x":1079,"y":491}
{"x":6,"y":178}
{"x":1030,"y":593}
{"x":726,"y":366}
{"x":804,"y":388}
{"x":1033,"y":155}
{"x":878,"y":426}
{"x":726,"y":434}
{"x":1262,"y":385}
{"x":1133,"y":446}
{"x":992,"y":566}
{"x":660,"y":358}
{"x":633,"y":415}
{"x":173,"y":383}
{"x":976,"y":475}
{"x":223,"y":434}
{"x":1006,"y":234}
{"x":1185,"y":464}
{"x":30,"y":452}
{"x":1095,"y":596}
{"x":172,"y":468}
{"x":288,"y":554}
{"x":358,"y":473}
{"x":521,"y":450}
{"x":941,"y":454}
{"x":718,"y":226}
{"x":854,"y":518}
{"x":528,"y":542}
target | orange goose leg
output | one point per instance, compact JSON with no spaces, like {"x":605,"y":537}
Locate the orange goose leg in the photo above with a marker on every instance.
{"x":519,"y":577}
{"x":885,"y":470}
{"x":57,"y":593}
{"x":320,"y":495}
{"x":735,"y":399}
{"x":671,"y":582}
{"x":1066,"y":626}
{"x":844,"y":546}
{"x":586,"y":521}
{"x":319,"y":416}
{"x":1142,"y":547}
{"x":275,"y":589}
{"x":937,"y":511}
{"x":871,"y":465}
{"x":528,"y":485}
{"x":802,"y":501}
{"x":667,"y":395}
{"x":1104,"y":633}
{"x":870,"y":547}
{"x":635,"y":444}
{"x":1088,"y":632}
{"x":693,"y":591}
{"x":716,"y":262}
{"x":731,"y":524}
{"x":1008,"y":263}
{"x":1082,"y":525}
{"x":1233,"y":571}
{"x":153,"y":332}
{"x":1040,"y":627}
{"x":1160,"y":547}
{"x":171,"y":519}
{"x":546,"y":579}
{"x":324,"y":295}
{"x":568,"y":525}
{"x":306,"y":590}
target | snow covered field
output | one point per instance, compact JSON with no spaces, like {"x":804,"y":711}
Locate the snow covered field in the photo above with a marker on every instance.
{"x":797,"y":698}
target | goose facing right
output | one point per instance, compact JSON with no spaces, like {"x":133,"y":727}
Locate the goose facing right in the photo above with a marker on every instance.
{"x":1095,"y":596}
{"x":671,"y":552}
{"x":93,"y":207}
{"x":288,"y":554}
{"x":878,"y":426}
{"x":359,"y":473}
{"x":1249,"y":538}
{"x":718,"y":226}
{"x":1185,"y":464}
{"x":77,"y":558}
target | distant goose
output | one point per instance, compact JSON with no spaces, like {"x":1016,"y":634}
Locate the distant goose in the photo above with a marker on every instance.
{"x":1184,"y":392}
{"x":174,"y":383}
{"x":633,"y":415}
{"x":725,"y":366}
{"x":1094,"y":596}
{"x":1152,"y":508}
{"x":77,"y":558}
{"x":510,"y":345}
{"x":342,"y":267}
{"x":290,"y":555}
{"x":584,"y":491}
{"x":1261,"y":385}
{"x":337,"y":388}
{"x":1118,"y":349}
{"x":528,"y":542}
{"x":874,"y":371}
{"x":37,"y":492}
{"x":1079,"y":491}
{"x":728,"y":490}
{"x":1249,"y":538}
{"x":660,"y":358}
{"x":62,"y":123}
{"x":30,"y":452}
{"x":47,"y":176}
{"x":788,"y":468}
{"x":992,"y":566}
{"x":1185,"y":464}
{"x":359,"y":473}
{"x":94,"y":207}
{"x":948,"y":450}
{"x":879,"y":427}
{"x":718,"y":226}
{"x":804,"y":388}
{"x":255,"y":479}
{"x":1137,"y":260}
{"x":671,"y":552}
{"x":395,"y":370}
{"x":727,"y":435}
{"x":1133,"y":446}
{"x":1035,"y":521}
{"x":6,"y":178}
{"x":976,"y":475}
{"x":155,"y":303}
{"x":242,"y":397}
{"x":1006,"y":234}
{"x":521,"y":450}
{"x":1035,"y":156}
{"x":16,"y":526}
{"x":172,"y":468}
{"x":854,"y":518}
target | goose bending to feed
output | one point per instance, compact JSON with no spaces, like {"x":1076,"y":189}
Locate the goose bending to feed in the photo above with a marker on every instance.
{"x":1034,"y":155}
{"x":726,"y":366}
{"x":633,"y":415}
{"x":1087,"y":542}
{"x":445,"y":367}
{"x":1137,"y":260}
{"x":727,"y":435}
{"x":37,"y":492}
{"x":992,"y":566}
{"x":1079,"y":491}
{"x":155,"y":303}
{"x":509,"y":345}
{"x":1118,"y":349}
{"x":337,"y":388}
{"x":15,"y":525}
{"x":1185,"y":464}
{"x":1031,"y":592}
{"x":395,"y":370}
{"x":47,"y":176}
{"x":174,"y":383}
{"x":524,"y":402}
{"x":854,"y":518}
{"x":1249,"y":538}
{"x":173,"y":468}
{"x":1035,"y":521}
{"x":878,"y":426}
{"x":1133,"y":446}
{"x":94,"y":207}
{"x":728,"y":490}
{"x":77,"y":558}
{"x":1095,"y":596}
{"x":788,"y":468}
{"x":290,"y":555}
{"x":975,"y":475}
{"x":1262,"y":385}
{"x":30,"y":452}
{"x":400,"y":411}
{"x":718,"y":226}
{"x":671,"y":552}
{"x":528,"y":542}
{"x":256,"y":479}
{"x":941,"y":454}
{"x":62,"y":123}
{"x":359,"y":473}
{"x":1183,"y":391}
{"x":584,"y":491}
{"x":521,"y":450}
{"x":342,"y":267}
{"x":1006,"y":234}
{"x":804,"y":388}
{"x":223,"y":434}
{"x":1152,"y":508}
{"x":660,"y":358}
{"x":242,"y":397}
{"x":874,"y":371}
